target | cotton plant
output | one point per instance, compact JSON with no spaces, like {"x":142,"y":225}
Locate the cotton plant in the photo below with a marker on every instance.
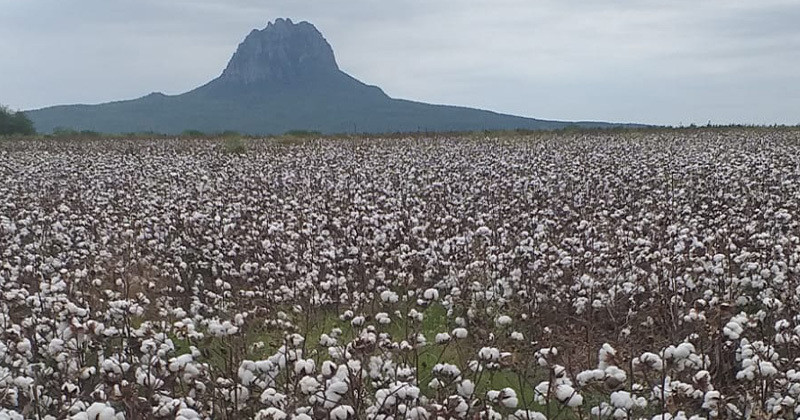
{"x":394,"y":278}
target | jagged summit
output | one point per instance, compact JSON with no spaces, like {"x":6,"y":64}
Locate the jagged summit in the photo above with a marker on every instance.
{"x":283,"y":52}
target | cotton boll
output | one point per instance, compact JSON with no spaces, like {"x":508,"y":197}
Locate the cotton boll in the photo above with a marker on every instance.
{"x":506,"y":397}
{"x":304,"y":367}
{"x":503,"y":320}
{"x":465,"y":388}
{"x":308,"y":385}
{"x":489,"y":354}
{"x":342,"y":412}
{"x":358,"y":321}
{"x":271,"y":413}
{"x":101,"y":411}
{"x":418,"y":413}
{"x":567,"y":395}
{"x":622,"y":399}
{"x":527,"y":415}
{"x":389,"y":296}
{"x":383,"y":318}
{"x":460,"y":333}
{"x":430,"y":294}
{"x":483,"y":231}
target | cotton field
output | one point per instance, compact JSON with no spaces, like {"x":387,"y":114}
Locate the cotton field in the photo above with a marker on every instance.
{"x":621,"y":275}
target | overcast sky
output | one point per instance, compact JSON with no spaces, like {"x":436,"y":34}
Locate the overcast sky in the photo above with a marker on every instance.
{"x":661,"y":62}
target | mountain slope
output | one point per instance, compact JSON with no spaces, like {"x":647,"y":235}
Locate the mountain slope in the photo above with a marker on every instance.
{"x":284,"y":77}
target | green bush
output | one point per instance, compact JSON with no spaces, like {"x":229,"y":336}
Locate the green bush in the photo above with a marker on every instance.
{"x":15,"y":123}
{"x":65,"y":132}
{"x":230,"y":134}
{"x":302,"y":133}
{"x":235,"y":145}
{"x":193,"y":133}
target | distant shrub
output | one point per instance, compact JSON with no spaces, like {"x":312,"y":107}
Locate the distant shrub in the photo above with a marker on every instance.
{"x":15,"y":123}
{"x":193,"y":133}
{"x":303,"y":133}
{"x":234,"y":145}
{"x":230,"y":134}
{"x":90,"y":133}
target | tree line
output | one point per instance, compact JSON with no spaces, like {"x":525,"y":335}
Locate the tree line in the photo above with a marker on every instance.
{"x":15,"y":122}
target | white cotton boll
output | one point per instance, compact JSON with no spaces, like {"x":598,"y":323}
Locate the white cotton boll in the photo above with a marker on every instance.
{"x":650,"y":360}
{"x":24,"y":345}
{"x":88,"y":372}
{"x":338,"y":388}
{"x":430,"y":294}
{"x":489,"y":354}
{"x":503,"y":321}
{"x":507,"y":397}
{"x":272,"y":397}
{"x":567,"y":395}
{"x":616,"y":374}
{"x":483,"y":231}
{"x":358,"y":321}
{"x":446,"y":369}
{"x":246,"y":377}
{"x":606,"y":356}
{"x":767,"y":369}
{"x":733,"y":330}
{"x":460,"y":333}
{"x":418,"y":413}
{"x":416,"y":315}
{"x":342,"y":412}
{"x":180,"y":362}
{"x":326,"y":341}
{"x":510,"y":402}
{"x":304,"y":367}
{"x":383,"y":318}
{"x":527,"y":415}
{"x":389,"y":296}
{"x":588,"y":376}
{"x":622,"y":399}
{"x":442,"y":338}
{"x":187,"y":414}
{"x":682,"y":351}
{"x":711,"y":399}
{"x":271,"y":413}
{"x":328,"y":368}
{"x":465,"y":388}
{"x":308,"y":385}
{"x":101,"y":411}
{"x":516,"y":335}
{"x":68,"y":388}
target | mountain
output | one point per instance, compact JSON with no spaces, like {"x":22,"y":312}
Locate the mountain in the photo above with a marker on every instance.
{"x":283,"y":77}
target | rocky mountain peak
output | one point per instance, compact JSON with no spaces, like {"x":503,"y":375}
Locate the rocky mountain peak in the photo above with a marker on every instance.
{"x":284,"y":52}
